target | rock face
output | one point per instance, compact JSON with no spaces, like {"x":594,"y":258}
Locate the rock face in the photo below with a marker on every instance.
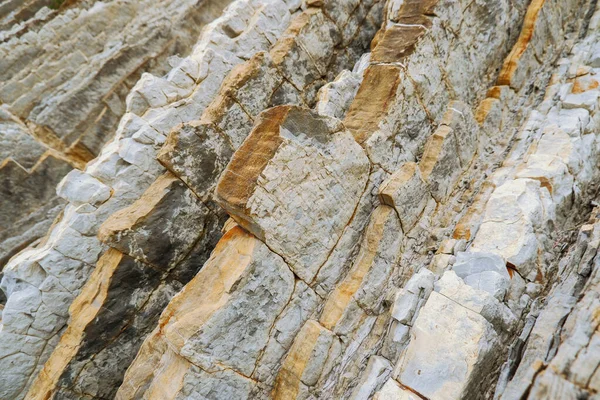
{"x":314,"y":200}
{"x":66,"y":72}
{"x":268,"y":187}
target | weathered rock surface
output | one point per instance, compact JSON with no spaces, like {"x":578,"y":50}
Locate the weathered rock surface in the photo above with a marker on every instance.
{"x":269,"y":185}
{"x":128,"y":169}
{"x":66,"y":73}
{"x":324,"y":200}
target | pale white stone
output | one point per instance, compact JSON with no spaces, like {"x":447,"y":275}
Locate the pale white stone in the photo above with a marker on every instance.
{"x":513,"y":211}
{"x":552,"y":173}
{"x":448,"y":342}
{"x":404,"y":306}
{"x":479,"y":301}
{"x":378,"y":369}
{"x":587,"y":100}
{"x":79,"y":187}
{"x":392,"y":391}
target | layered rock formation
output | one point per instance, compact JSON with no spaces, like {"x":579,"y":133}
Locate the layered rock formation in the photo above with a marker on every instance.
{"x":324,"y":199}
{"x":66,"y":69}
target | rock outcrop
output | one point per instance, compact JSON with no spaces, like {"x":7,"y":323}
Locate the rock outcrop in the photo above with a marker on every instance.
{"x":66,"y":70}
{"x":319,"y":199}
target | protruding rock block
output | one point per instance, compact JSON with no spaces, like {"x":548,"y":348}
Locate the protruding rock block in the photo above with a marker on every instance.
{"x":456,"y":341}
{"x":440,"y":165}
{"x":450,"y":150}
{"x":448,"y":352}
{"x":162,"y":226}
{"x":306,"y":361}
{"x":552,"y":173}
{"x":483,"y":271}
{"x":477,"y":300}
{"x":221,"y":320}
{"x":364,"y":286}
{"x":377,"y":370}
{"x":512,"y":214}
{"x":417,"y":289}
{"x":335,"y":97}
{"x":375,"y":96}
{"x":398,"y":42}
{"x":197,"y":152}
{"x":295,"y":183}
{"x":406,"y":191}
{"x":79,"y":188}
{"x":304,"y":51}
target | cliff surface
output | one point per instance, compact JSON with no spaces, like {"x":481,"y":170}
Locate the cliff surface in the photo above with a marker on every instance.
{"x":300,"y":199}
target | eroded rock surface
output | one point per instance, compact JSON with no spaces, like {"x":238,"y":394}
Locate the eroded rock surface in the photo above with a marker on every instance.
{"x":324,"y":200}
{"x":67,"y":68}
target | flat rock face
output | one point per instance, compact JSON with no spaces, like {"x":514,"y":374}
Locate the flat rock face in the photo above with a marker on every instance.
{"x":269,"y":184}
{"x":318,"y":199}
{"x":429,"y":365}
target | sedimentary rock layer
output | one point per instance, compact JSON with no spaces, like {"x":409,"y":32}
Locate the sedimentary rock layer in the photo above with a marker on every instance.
{"x":65,"y":73}
{"x":324,"y":200}
{"x":193,"y":214}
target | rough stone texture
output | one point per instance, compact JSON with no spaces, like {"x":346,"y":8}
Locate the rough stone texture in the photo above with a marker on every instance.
{"x":406,"y":191}
{"x":236,"y":299}
{"x":268,"y":187}
{"x":66,"y":72}
{"x":249,"y":35}
{"x":127,"y":166}
{"x":402,"y":225}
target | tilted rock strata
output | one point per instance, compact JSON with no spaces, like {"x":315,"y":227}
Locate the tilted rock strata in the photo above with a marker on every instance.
{"x":306,"y":369}
{"x":133,"y":229}
{"x":396,"y":229}
{"x":65,"y":77}
{"x":527,"y":200}
{"x":127,"y":167}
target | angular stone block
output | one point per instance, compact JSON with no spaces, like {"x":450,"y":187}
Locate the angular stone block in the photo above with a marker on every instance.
{"x":220,"y":320}
{"x":295,"y":183}
{"x":483,"y":271}
{"x":162,"y":226}
{"x":406,"y":191}
{"x":197,"y":154}
{"x":440,"y":165}
{"x":448,"y":351}
{"x":512,"y":213}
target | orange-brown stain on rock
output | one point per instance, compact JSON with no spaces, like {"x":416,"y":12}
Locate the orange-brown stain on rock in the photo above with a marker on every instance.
{"x":239,"y":76}
{"x":83,"y":310}
{"x":341,"y":297}
{"x":398,"y":42}
{"x":129,"y":217}
{"x":512,"y":61}
{"x":375,"y":95}
{"x":484,"y":109}
{"x":211,"y":287}
{"x":433,"y":148}
{"x":287,"y":383}
{"x":239,"y":179}
{"x":580,"y":85}
{"x":280,"y":51}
